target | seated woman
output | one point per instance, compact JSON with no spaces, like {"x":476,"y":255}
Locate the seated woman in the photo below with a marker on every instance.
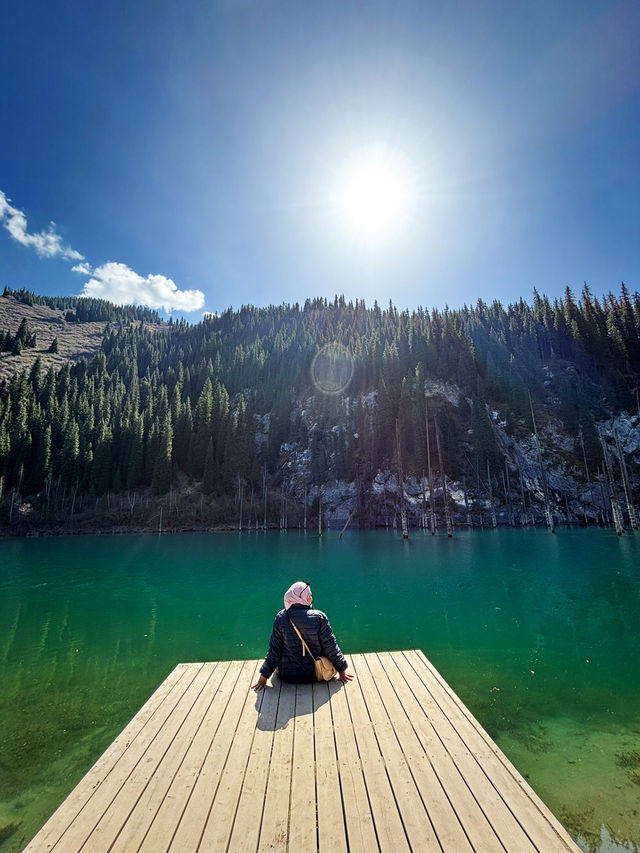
{"x":285,"y":648}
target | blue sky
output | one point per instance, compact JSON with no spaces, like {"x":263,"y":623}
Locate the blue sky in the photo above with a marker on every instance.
{"x":189,"y":153}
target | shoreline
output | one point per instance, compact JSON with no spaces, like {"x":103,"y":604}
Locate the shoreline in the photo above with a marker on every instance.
{"x":17,"y":532}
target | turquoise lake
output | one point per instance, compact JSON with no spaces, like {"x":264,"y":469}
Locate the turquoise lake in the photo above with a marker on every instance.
{"x":537,"y":633}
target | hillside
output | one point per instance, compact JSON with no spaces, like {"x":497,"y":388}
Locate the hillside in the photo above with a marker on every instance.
{"x":76,"y":340}
{"x":490,"y":414}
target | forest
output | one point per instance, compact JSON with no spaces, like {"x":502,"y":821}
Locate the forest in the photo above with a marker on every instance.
{"x":236,"y":417}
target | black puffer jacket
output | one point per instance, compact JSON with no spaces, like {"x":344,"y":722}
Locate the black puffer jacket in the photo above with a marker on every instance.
{"x":285,"y":648}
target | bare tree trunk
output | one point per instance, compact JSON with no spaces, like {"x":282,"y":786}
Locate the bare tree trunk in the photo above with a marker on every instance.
{"x":523,"y":519}
{"x":466,"y":503}
{"x":424,"y":502}
{"x":15,"y":492}
{"x":73,"y":501}
{"x":264,"y":492}
{"x":445,"y":493}
{"x":615,"y":506}
{"x":603,"y":498}
{"x":431,"y":497}
{"x":319,"y":512}
{"x":241,"y":500}
{"x":494,"y":520}
{"x":586,"y":471}
{"x":346,"y":524}
{"x":512,"y":520}
{"x":403,"y":509}
{"x":543,"y":473}
{"x":305,"y":507}
{"x":631,"y":510}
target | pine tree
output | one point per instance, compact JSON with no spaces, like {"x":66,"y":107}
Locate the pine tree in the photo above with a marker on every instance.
{"x":162,"y":464}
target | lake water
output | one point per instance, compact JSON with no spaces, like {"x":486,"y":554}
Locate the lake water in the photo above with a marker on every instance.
{"x":537,"y":633}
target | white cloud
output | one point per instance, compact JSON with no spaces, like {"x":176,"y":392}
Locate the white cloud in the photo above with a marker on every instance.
{"x":119,"y":284}
{"x":112,"y":281}
{"x":47,"y":243}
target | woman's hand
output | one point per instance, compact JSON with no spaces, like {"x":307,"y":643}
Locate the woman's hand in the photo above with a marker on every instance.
{"x":260,"y":683}
{"x":344,"y":677}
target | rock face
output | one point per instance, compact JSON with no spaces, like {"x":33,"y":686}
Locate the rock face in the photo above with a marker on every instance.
{"x":553,"y":463}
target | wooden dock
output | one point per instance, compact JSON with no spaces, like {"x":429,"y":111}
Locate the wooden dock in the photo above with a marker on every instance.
{"x":392,"y":761}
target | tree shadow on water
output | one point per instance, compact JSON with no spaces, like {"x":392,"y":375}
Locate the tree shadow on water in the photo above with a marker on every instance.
{"x":280,"y":702}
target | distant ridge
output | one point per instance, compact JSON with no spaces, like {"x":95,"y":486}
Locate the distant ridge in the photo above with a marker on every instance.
{"x":76,"y":322}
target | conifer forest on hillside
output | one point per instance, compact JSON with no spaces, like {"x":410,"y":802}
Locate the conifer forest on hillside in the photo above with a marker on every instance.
{"x":326,"y":413}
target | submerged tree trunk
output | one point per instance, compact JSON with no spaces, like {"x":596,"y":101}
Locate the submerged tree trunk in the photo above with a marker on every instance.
{"x":424,"y":502}
{"x":586,"y":471}
{"x":616,"y":512}
{"x":466,"y":503}
{"x":445,"y":494}
{"x":631,"y":510}
{"x":264,"y":492}
{"x":431,"y":497}
{"x":403,"y":509}
{"x":494,"y":519}
{"x":305,"y":507}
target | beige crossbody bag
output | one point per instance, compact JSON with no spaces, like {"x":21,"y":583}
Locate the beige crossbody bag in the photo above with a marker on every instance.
{"x":325,"y":670}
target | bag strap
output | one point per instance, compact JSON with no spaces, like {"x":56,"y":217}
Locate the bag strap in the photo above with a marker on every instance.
{"x":304,"y":645}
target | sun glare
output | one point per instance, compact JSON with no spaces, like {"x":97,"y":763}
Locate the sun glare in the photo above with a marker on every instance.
{"x":375,"y":194}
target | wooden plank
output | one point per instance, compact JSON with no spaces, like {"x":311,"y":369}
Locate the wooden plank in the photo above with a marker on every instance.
{"x":355,"y":800}
{"x":81,"y":795}
{"x":476,"y":824}
{"x":545,"y":830}
{"x":493,"y":747}
{"x":492,"y":804}
{"x":410,"y":805}
{"x":393,"y":761}
{"x":126,"y":790}
{"x":389,"y":829}
{"x":302,"y":819}
{"x":196,"y":812}
{"x":223,"y":811}
{"x":167,"y":767}
{"x":248,"y":821}
{"x":168,"y":817}
{"x":446,"y":824}
{"x":331,"y":827}
{"x":275,"y":820}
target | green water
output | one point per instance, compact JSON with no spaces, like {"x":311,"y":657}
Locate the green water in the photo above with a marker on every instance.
{"x":538,"y":634}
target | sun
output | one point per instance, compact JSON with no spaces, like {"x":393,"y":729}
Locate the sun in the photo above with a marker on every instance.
{"x":375,"y":194}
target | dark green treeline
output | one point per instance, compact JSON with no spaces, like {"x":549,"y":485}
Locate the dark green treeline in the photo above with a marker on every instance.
{"x":224,"y":401}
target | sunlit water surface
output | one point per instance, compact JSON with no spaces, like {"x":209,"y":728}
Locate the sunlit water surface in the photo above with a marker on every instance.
{"x":537,"y":633}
